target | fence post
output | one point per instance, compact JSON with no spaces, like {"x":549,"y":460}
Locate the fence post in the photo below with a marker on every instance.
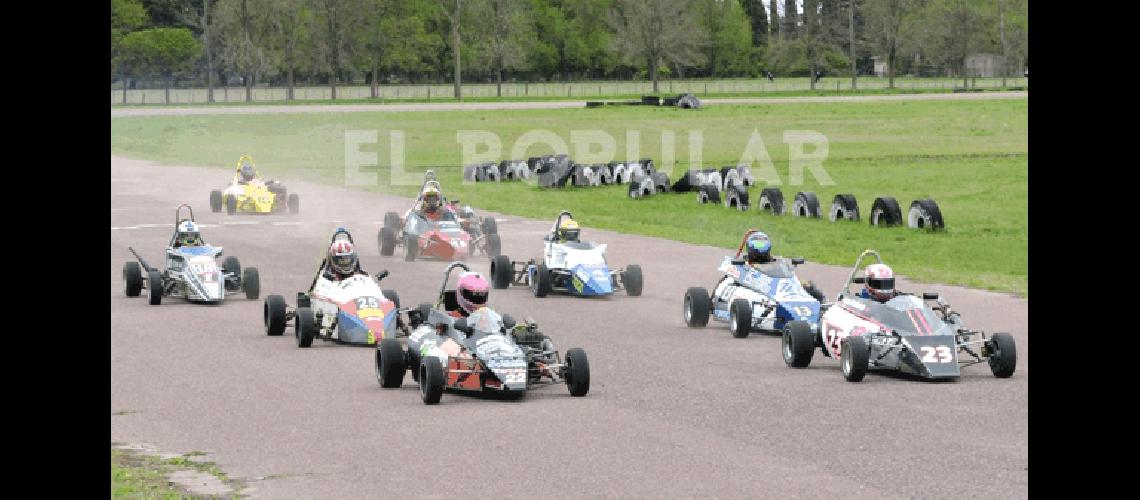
{"x":526,"y":88}
{"x":429,"y":93}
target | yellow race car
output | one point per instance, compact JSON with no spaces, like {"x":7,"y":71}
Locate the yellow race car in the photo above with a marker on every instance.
{"x":248,"y":193}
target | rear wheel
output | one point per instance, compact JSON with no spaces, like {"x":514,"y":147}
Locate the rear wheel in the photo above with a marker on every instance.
{"x":577,"y":372}
{"x":215,"y":201}
{"x":232,"y":266}
{"x":392,"y":296}
{"x":494,"y":245}
{"x":387,"y":241}
{"x":490,"y":226}
{"x":411,"y":247}
{"x":390,"y":363}
{"x":251,"y":283}
{"x":853,"y":358}
{"x":541,"y":283}
{"x":132,"y":279}
{"x":431,"y":380}
{"x":740,"y":318}
{"x":304,"y":328}
{"x":501,"y":271}
{"x":154,"y":287}
{"x":392,"y":220}
{"x":798,"y":344}
{"x":294,"y":203}
{"x":274,"y":315}
{"x":697,"y":307}
{"x":1003,"y":355}
{"x":632,"y":279}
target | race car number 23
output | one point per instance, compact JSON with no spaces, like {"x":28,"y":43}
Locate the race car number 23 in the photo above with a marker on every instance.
{"x":939,"y":354}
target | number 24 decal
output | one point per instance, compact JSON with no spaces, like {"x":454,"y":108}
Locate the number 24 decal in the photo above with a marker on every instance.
{"x":940,"y":354}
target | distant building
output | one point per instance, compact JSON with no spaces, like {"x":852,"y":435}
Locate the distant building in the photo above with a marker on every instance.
{"x":880,"y":66}
{"x":984,"y":65}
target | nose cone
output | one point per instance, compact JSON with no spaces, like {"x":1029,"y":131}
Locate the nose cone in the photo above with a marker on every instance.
{"x":934,"y":356}
{"x":592,"y":280}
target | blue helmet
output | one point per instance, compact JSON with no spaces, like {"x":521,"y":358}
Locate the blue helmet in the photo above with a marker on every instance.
{"x":759,"y":248}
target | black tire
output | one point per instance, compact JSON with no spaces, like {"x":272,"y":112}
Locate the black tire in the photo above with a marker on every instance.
{"x":814,"y":291}
{"x":805,"y":204}
{"x":431,"y":380}
{"x":708,"y":194}
{"x":294,"y":203}
{"x":304,"y":327}
{"x":684,"y":183}
{"x":251,"y":283}
{"x":925,"y":214}
{"x":541,"y":284}
{"x":772,"y":201}
{"x":215,"y":201}
{"x":660,"y":182}
{"x":885,"y":212}
{"x":391,"y":295}
{"x":844,"y":207}
{"x":392,"y":220}
{"x":154,"y":287}
{"x":273,"y":314}
{"x":469,"y":173}
{"x":577,"y":372}
{"x":390,"y":364}
{"x":132,"y":279}
{"x":387,"y":241}
{"x":633,"y":279}
{"x":579,"y":177}
{"x":798,"y":344}
{"x":411,"y":248}
{"x":425,"y":311}
{"x":494,"y":245}
{"x":490,"y":225}
{"x":697,"y":307}
{"x":412,"y":360}
{"x":737,"y":198}
{"x":634,"y":190}
{"x":501,"y":272}
{"x":231,"y":205}
{"x":233,"y":266}
{"x":740,"y":318}
{"x":853,"y":358}
{"x":1003,"y":355}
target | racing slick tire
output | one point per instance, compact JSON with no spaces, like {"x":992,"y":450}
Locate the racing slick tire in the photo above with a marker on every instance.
{"x":885,"y":212}
{"x":708,"y":194}
{"x":425,"y":310}
{"x":215,"y":201}
{"x":412,"y":360}
{"x":844,"y":207}
{"x":251,"y":283}
{"x":1003,"y":355}
{"x":805,"y":204}
{"x":924,"y":214}
{"x":494,"y":245}
{"x":411,"y":247}
{"x":490,"y":225}
{"x":697,"y":307}
{"x":132,"y":279}
{"x":274,"y":315}
{"x":772,"y":200}
{"x":431,"y":380}
{"x":390,"y":363}
{"x":632,"y":279}
{"x":154,"y":287}
{"x":798,"y":344}
{"x":294,"y":203}
{"x":577,"y":372}
{"x":740,"y":318}
{"x":304,"y":328}
{"x":391,"y":295}
{"x":736,"y":197}
{"x":387,"y":241}
{"x":501,"y":272}
{"x":853,"y":352}
{"x":814,"y":291}
{"x":231,"y":205}
{"x":541,"y":284}
{"x":392,"y":220}
{"x":232,"y":266}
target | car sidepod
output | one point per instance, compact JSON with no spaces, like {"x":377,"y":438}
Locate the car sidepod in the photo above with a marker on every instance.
{"x":504,"y":360}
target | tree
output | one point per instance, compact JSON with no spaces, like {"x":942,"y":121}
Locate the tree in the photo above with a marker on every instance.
{"x":126,"y":16}
{"x":730,"y":35}
{"x":244,"y":26}
{"x":159,"y":52}
{"x":453,"y":14}
{"x":572,"y":41}
{"x":289,"y":25}
{"x":335,"y":22}
{"x":791,"y":19}
{"x":956,"y":28}
{"x":774,"y":19}
{"x":885,"y":21}
{"x":395,"y":37}
{"x":758,"y":14}
{"x":657,"y":31}
{"x":504,"y":41}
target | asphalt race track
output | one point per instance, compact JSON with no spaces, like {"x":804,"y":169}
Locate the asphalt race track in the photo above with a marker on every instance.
{"x":672,"y":411}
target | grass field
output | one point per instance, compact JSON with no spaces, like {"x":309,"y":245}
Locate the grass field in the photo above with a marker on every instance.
{"x":970,"y":156}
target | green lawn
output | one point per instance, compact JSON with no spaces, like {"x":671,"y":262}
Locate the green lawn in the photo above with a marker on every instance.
{"x":970,"y":156}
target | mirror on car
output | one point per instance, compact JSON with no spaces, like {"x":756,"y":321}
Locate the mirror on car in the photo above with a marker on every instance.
{"x":929,"y":295}
{"x":381,"y":275}
{"x":859,"y":280}
{"x":797,"y":261}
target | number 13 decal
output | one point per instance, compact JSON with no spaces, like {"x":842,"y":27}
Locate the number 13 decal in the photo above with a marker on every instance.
{"x":940,"y":354}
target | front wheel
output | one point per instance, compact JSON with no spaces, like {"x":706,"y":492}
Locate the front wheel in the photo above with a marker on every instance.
{"x":231,"y":205}
{"x":798,"y":344}
{"x":215,"y":201}
{"x":274,"y":315}
{"x":431,"y":380}
{"x":577,"y":372}
{"x":853,"y":354}
{"x":411,"y":247}
{"x":154,"y":287}
{"x":501,"y":271}
{"x":633,"y":280}
{"x":740,"y":318}
{"x":542,"y":281}
{"x":389,"y":363}
{"x":294,"y":203}
{"x":1003,"y":355}
{"x":304,"y":327}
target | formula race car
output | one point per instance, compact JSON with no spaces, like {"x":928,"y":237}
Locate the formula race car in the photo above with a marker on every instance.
{"x":354,"y":310}
{"x":904,"y":334}
{"x":446,"y":238}
{"x":191,"y":269}
{"x":759,"y":297}
{"x":483,"y":353}
{"x":574,"y":267}
{"x":255,"y":196}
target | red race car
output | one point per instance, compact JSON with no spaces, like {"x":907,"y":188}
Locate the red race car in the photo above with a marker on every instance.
{"x":432,"y":228}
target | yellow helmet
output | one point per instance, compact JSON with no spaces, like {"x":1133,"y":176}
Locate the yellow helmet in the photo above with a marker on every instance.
{"x":431,"y":197}
{"x":568,"y":230}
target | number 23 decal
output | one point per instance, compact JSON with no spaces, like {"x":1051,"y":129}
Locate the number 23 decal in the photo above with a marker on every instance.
{"x":940,"y":354}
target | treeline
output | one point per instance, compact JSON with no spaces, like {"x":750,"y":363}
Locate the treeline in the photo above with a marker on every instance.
{"x":331,"y":42}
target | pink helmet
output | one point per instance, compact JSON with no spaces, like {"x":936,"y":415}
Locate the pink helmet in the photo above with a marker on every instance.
{"x":472,"y":291}
{"x":880,"y":283}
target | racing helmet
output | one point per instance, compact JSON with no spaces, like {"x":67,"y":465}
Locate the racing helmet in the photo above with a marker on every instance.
{"x":880,"y":282}
{"x":246,"y":169}
{"x":472,"y":291}
{"x":342,"y":257}
{"x":568,"y":230}
{"x":188,"y":235}
{"x":431,"y":199}
{"x":759,"y":248}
